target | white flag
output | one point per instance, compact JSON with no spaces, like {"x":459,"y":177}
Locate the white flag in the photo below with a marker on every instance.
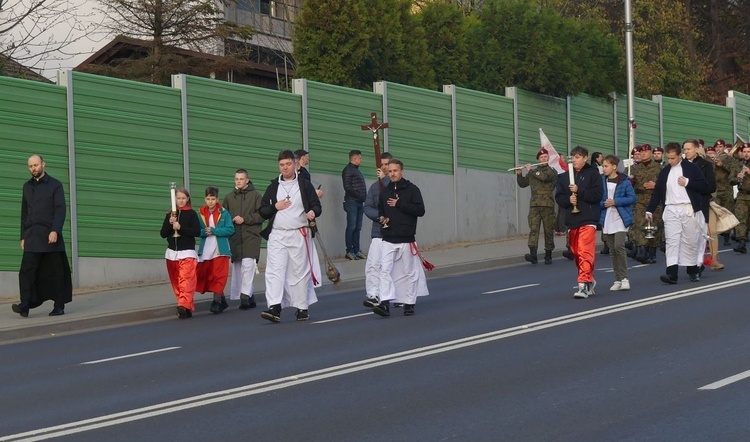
{"x":555,"y":161}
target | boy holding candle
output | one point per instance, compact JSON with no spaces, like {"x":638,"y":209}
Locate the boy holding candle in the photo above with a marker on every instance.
{"x":579,"y":193}
{"x":180,"y":227}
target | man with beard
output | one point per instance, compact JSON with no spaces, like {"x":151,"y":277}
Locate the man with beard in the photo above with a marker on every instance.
{"x":45,"y":271}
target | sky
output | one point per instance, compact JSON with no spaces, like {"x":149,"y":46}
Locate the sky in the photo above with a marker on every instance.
{"x":83,"y":43}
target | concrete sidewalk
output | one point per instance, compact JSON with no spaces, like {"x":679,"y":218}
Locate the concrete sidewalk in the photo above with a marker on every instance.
{"x":113,"y":306}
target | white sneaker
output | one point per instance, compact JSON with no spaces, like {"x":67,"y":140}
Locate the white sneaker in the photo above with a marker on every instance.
{"x":582,"y":293}
{"x":625,"y":284}
{"x":616,"y":286}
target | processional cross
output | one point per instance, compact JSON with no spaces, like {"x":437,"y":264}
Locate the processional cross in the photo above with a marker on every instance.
{"x":374,"y":127}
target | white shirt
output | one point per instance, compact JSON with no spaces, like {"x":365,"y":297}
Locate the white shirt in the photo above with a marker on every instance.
{"x":293,"y":217}
{"x":612,"y":220}
{"x":676,"y":194}
{"x":210,"y":245}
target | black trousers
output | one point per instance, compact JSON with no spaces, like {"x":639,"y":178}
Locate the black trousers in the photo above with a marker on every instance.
{"x":45,"y":276}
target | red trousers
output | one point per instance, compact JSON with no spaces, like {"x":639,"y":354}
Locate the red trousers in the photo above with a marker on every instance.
{"x":212,"y":275}
{"x":182,"y":275}
{"x":583,"y":246}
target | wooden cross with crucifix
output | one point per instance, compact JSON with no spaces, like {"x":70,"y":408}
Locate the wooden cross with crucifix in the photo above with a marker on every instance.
{"x":375,"y":127}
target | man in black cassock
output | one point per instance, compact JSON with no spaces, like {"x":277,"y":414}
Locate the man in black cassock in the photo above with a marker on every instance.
{"x":45,"y":272}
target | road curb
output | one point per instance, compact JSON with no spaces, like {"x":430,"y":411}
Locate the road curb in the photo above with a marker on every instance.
{"x":72,"y":324}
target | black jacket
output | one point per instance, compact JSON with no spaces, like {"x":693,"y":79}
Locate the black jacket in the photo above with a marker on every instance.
{"x":707,"y":169}
{"x":310,"y":201}
{"x":696,"y":186}
{"x":190,"y":228}
{"x":355,"y":188}
{"x":402,"y":224}
{"x":42,"y":212}
{"x":590,"y":191}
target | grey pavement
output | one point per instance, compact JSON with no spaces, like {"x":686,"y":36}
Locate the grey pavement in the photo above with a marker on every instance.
{"x":121,"y":305}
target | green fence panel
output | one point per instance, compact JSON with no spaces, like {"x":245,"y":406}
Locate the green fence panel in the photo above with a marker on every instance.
{"x":537,"y":111}
{"x":683,"y":119}
{"x":741,"y":104}
{"x":233,"y":126}
{"x":592,"y":122}
{"x":647,"y":129}
{"x":128,"y":139}
{"x":335,"y":117}
{"x":33,"y":120}
{"x":421,"y":131}
{"x":484,"y":130}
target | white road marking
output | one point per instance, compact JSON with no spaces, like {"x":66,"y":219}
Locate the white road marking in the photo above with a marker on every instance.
{"x":510,"y":288}
{"x":129,"y":356}
{"x":342,"y":318}
{"x":352,"y":367}
{"x":726,"y":381}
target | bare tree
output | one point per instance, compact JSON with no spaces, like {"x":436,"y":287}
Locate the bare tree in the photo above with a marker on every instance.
{"x":188,"y":24}
{"x":35,"y":30}
{"x":198,"y":25}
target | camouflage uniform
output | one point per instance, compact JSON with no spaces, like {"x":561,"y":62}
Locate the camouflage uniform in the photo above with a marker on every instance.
{"x":542,"y":211}
{"x":742,"y":210}
{"x":643,"y":173}
{"x":726,"y":175}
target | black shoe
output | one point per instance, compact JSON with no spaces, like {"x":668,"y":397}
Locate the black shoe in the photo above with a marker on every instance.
{"x":215,"y":307}
{"x":695,"y":278}
{"x":548,"y":257}
{"x":668,"y":279}
{"x":568,"y":254}
{"x":57,"y":311}
{"x":247,"y":302}
{"x":302,"y":315}
{"x":370,"y":302}
{"x":398,"y":304}
{"x":740,"y":247}
{"x":20,"y":309}
{"x":183,"y":313}
{"x":605,"y":250}
{"x":408,"y":309}
{"x":273,"y":314}
{"x":382,"y":309}
{"x":531,"y":256}
{"x":700,"y":271}
{"x":224,"y":304}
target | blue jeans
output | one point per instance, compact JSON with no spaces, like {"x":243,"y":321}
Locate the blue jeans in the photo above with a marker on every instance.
{"x":354,"y":212}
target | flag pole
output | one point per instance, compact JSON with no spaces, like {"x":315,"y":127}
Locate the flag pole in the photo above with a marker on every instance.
{"x":630,"y":79}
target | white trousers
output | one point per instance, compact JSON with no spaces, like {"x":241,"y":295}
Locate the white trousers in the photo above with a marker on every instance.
{"x":288,"y":269}
{"x":682,"y":234}
{"x":372,"y":271}
{"x":701,"y":251}
{"x":403,"y":271}
{"x":243,"y":273}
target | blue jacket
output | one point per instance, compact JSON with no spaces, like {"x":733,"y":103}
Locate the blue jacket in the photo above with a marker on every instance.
{"x":223,"y":230}
{"x":624,"y":199}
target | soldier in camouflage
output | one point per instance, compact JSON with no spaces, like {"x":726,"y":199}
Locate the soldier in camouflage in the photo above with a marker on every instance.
{"x":645,"y":174}
{"x":742,"y":205}
{"x":726,"y":169}
{"x":542,"y":180}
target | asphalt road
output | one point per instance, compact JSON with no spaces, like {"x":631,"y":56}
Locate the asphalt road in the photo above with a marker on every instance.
{"x":506,"y":354}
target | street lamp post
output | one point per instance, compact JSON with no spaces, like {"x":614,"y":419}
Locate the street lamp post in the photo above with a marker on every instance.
{"x":631,"y":81}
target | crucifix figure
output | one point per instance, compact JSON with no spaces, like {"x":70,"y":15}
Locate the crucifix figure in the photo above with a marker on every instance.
{"x":375,"y":127}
